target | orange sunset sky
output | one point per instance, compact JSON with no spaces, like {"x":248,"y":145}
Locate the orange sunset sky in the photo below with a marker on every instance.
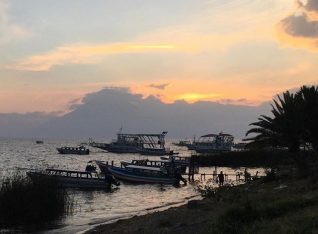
{"x":242,"y":52}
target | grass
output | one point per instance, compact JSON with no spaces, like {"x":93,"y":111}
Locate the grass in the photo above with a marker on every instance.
{"x":24,"y":202}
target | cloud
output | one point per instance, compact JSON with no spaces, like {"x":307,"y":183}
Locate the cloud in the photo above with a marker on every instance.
{"x":82,"y":54}
{"x":162,"y":86}
{"x":300,"y":29}
{"x":233,"y":101}
{"x":9,"y":30}
{"x":75,"y":101}
{"x":161,"y":41}
{"x":74,"y":106}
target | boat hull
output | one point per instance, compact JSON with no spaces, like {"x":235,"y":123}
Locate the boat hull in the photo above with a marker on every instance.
{"x":67,"y":151}
{"x":122,"y":174}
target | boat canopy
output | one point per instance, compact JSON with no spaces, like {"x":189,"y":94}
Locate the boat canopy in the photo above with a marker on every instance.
{"x":67,"y":171}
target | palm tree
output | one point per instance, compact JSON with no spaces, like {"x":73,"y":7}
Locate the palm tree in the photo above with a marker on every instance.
{"x":285,"y":128}
{"x":310,"y":100}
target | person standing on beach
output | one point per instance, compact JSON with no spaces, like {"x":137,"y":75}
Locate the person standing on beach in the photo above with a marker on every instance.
{"x":247,"y":176}
{"x":221,"y":179}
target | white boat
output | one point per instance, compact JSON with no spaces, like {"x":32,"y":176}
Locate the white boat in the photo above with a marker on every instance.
{"x":144,"y":174}
{"x":212,"y":143}
{"x":150,"y":144}
{"x":81,"y":149}
{"x":71,"y":178}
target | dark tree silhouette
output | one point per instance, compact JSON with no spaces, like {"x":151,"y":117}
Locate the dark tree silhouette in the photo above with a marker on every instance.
{"x":287,"y":126}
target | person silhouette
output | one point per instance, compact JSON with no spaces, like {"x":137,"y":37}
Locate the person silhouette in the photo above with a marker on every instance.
{"x":221,"y":178}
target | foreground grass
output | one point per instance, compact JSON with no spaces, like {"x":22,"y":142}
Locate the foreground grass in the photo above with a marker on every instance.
{"x":24,"y":202}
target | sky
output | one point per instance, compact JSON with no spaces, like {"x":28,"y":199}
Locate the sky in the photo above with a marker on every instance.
{"x":243,"y":52}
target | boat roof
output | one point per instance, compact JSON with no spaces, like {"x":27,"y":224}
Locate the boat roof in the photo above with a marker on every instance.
{"x":144,"y":168}
{"x":152,"y":160}
{"x":214,"y":135}
{"x":137,"y":135}
{"x":68,"y":171}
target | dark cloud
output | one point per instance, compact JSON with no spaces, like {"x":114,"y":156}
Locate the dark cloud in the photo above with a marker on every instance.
{"x":162,"y":86}
{"x":304,"y":22}
{"x":56,"y":113}
{"x":74,"y":106}
{"x":74,"y":101}
{"x":312,"y":5}
{"x":299,"y":26}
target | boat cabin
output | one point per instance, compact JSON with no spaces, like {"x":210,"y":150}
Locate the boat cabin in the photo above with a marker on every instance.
{"x":144,"y":170}
{"x":69,"y":173}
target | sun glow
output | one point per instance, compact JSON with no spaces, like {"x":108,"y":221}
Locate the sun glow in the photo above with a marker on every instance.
{"x":196,"y":96}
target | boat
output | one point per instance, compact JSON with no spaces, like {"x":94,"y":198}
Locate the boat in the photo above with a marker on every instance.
{"x":169,"y":164}
{"x":156,"y":151}
{"x":81,"y":149}
{"x":103,"y":146}
{"x":144,"y":174}
{"x":71,"y":178}
{"x":240,"y":146}
{"x":211,"y":143}
{"x":182,"y":143}
{"x":39,"y":142}
{"x":146,"y":144}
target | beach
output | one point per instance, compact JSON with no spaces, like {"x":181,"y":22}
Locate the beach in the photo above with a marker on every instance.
{"x":284,"y":205}
{"x":194,"y":217}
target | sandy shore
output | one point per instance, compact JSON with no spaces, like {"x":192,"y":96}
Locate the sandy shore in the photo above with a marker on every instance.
{"x":194,"y":217}
{"x":200,"y":216}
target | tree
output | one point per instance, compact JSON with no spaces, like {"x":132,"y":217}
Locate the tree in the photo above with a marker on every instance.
{"x":285,"y":128}
{"x":310,"y":102}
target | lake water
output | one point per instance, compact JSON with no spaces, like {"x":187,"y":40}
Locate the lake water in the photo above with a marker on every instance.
{"x":95,"y":207}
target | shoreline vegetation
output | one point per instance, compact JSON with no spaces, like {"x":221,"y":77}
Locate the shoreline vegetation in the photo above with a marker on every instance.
{"x":283,"y":201}
{"x":27,"y":205}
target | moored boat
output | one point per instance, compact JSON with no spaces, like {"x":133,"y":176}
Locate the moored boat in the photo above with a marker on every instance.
{"x":143,"y":174}
{"x":103,"y":146}
{"x":212,"y":143}
{"x":81,"y":149}
{"x":182,"y":143}
{"x":71,"y":178}
{"x":156,"y":151}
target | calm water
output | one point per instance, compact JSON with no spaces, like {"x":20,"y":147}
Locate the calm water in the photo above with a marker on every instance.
{"x":95,"y":207}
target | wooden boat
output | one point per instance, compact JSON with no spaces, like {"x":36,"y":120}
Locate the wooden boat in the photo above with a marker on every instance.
{"x":71,"y":178}
{"x":81,"y":149}
{"x":39,"y":142}
{"x":143,"y":174}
